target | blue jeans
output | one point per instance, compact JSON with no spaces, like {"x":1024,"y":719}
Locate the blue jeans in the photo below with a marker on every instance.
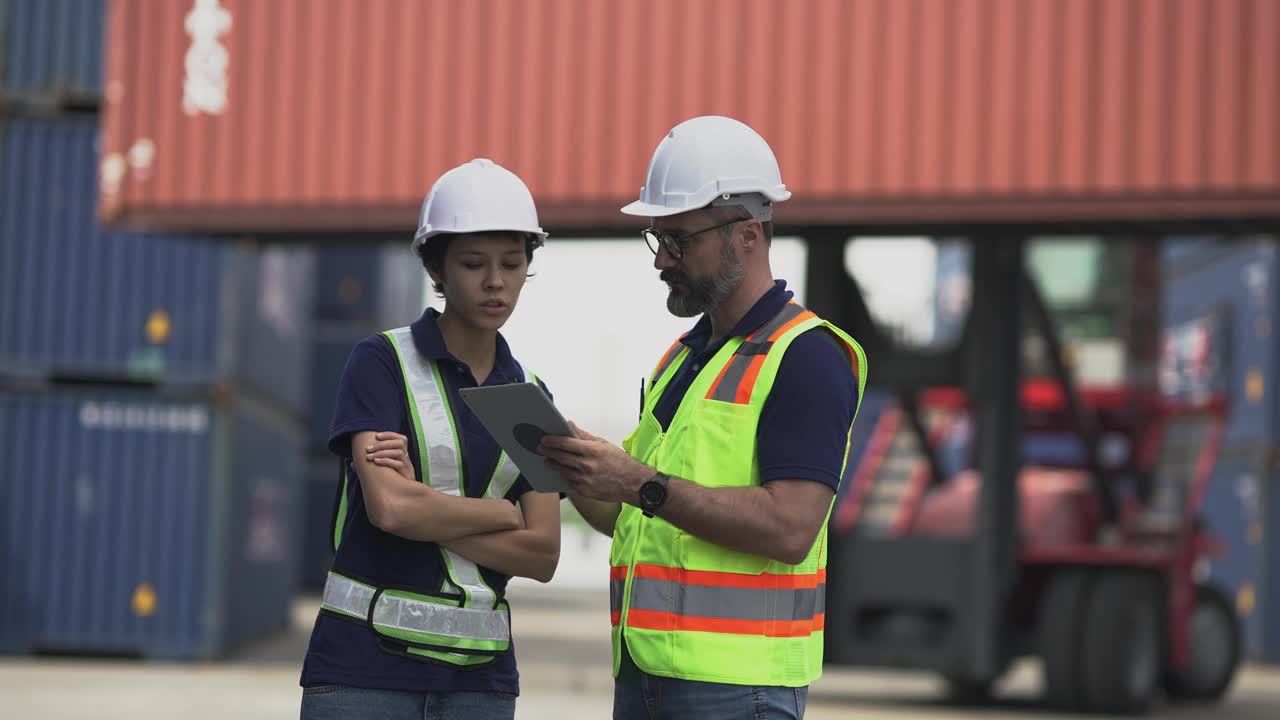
{"x":339,"y":702}
{"x":637,"y":695}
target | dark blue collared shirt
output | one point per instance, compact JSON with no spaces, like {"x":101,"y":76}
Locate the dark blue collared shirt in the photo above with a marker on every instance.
{"x":805,"y":420}
{"x":371,"y":396}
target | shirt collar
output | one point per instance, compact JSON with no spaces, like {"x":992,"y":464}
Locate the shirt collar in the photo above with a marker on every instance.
{"x":769,"y":305}
{"x":430,"y":343}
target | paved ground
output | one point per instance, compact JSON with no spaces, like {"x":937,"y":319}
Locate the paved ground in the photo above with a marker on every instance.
{"x":563,"y":647}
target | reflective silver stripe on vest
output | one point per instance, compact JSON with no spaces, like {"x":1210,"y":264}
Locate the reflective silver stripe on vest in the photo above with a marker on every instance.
{"x":443,"y":471}
{"x":353,"y":598}
{"x":465,"y":574}
{"x":617,"y":589}
{"x":456,"y":622}
{"x":729,"y":603}
{"x":347,"y":596}
{"x":757,"y":343}
{"x":789,"y":312}
{"x":673,"y":354}
{"x":504,"y":477}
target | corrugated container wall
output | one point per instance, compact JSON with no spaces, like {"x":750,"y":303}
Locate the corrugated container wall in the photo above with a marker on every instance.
{"x":145,"y":526}
{"x":297,"y":114}
{"x":320,"y":491}
{"x":358,"y":292}
{"x":1220,"y":305}
{"x":78,"y":301}
{"x":1235,"y":512}
{"x":52,"y":50}
{"x":381,"y":288}
{"x":1220,"y":311}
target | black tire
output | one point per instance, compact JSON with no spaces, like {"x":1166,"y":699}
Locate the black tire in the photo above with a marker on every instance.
{"x":1215,"y":649}
{"x":1121,"y":655}
{"x":967,"y":692}
{"x":1058,"y":639}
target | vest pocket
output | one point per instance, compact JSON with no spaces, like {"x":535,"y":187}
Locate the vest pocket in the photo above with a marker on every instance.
{"x":714,"y":446}
{"x":697,"y":554}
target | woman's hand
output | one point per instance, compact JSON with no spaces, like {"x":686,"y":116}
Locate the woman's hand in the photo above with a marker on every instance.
{"x":391,"y":450}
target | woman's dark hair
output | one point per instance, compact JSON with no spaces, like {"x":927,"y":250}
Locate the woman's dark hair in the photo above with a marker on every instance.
{"x":432,"y":253}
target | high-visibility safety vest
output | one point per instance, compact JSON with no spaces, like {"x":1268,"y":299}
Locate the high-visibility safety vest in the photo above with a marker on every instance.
{"x":464,"y":622}
{"x":694,"y":610}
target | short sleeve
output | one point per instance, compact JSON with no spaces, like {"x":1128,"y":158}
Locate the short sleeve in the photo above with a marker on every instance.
{"x":369,"y":395}
{"x":805,"y":421}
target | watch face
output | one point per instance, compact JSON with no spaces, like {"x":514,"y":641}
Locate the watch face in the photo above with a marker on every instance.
{"x":649,"y":492}
{"x":652,"y":493}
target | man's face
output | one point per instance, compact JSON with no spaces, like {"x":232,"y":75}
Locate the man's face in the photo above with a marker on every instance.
{"x":708,"y":272}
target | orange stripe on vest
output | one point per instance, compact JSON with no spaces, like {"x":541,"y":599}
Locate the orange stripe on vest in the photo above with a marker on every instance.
{"x":763,"y":581}
{"x":671,"y":622}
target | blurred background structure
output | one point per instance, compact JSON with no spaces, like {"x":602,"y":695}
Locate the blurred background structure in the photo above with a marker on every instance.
{"x":204,"y":204}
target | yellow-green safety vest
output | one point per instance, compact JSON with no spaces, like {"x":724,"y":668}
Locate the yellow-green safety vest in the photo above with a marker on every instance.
{"x":464,"y":623}
{"x":694,"y":610}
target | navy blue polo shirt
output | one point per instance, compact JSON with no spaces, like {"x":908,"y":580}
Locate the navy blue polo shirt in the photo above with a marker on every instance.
{"x":805,"y":421}
{"x":371,"y":396}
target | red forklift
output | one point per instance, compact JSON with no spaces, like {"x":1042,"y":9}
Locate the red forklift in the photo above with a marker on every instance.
{"x":1000,"y":511}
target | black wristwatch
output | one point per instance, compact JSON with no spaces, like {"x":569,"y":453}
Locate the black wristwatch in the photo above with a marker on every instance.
{"x":653,"y":493}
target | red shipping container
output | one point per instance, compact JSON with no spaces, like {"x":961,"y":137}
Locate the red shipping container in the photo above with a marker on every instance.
{"x":336,"y":114}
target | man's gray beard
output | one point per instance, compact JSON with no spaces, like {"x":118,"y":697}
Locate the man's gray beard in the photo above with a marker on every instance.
{"x":707,"y":293}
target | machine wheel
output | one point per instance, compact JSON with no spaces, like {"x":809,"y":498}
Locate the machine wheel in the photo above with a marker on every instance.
{"x":1121,"y":651}
{"x":1062,"y":612}
{"x":964,"y":691}
{"x":1215,"y":649}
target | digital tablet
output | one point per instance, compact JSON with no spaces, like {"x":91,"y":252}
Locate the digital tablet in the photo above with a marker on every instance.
{"x":517,"y":416}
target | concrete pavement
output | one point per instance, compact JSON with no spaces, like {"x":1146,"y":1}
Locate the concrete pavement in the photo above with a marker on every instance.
{"x":562,"y":639}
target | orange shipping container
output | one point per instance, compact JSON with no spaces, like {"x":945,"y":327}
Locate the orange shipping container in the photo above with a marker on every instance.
{"x":242,"y":115}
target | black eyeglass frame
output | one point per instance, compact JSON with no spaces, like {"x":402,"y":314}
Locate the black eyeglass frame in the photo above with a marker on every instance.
{"x":674,"y":244}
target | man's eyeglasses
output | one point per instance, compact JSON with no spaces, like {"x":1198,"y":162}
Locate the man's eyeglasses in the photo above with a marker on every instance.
{"x":675,"y":244}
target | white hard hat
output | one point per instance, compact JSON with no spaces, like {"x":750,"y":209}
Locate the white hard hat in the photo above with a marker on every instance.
{"x":479,"y":196}
{"x":706,"y":159}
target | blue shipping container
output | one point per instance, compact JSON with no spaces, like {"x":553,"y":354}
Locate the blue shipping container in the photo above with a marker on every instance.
{"x":1235,"y":512}
{"x":144,"y":526}
{"x":1220,"y":303}
{"x":1269,"y":597}
{"x":952,"y":291}
{"x":52,"y":49}
{"x":330,"y":350}
{"x":1219,"y":310}
{"x":78,"y":301}
{"x":380,"y":287}
{"x":874,"y":403}
{"x":1192,"y":248}
{"x":320,"y":489}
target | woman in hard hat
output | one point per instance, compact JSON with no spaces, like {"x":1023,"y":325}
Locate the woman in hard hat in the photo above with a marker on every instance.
{"x":433,"y":519}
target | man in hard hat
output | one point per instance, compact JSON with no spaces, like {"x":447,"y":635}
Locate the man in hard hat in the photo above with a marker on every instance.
{"x":718,"y":501}
{"x":413,"y":621}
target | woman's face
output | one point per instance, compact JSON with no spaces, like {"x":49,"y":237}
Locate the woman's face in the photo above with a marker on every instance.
{"x":483,"y":274}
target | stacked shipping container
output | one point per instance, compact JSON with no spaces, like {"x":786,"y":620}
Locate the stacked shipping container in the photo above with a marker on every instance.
{"x":151,"y":389}
{"x":51,"y":51}
{"x":140,"y":524}
{"x":1221,"y":304}
{"x":87,"y":303}
{"x":880,"y":111}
